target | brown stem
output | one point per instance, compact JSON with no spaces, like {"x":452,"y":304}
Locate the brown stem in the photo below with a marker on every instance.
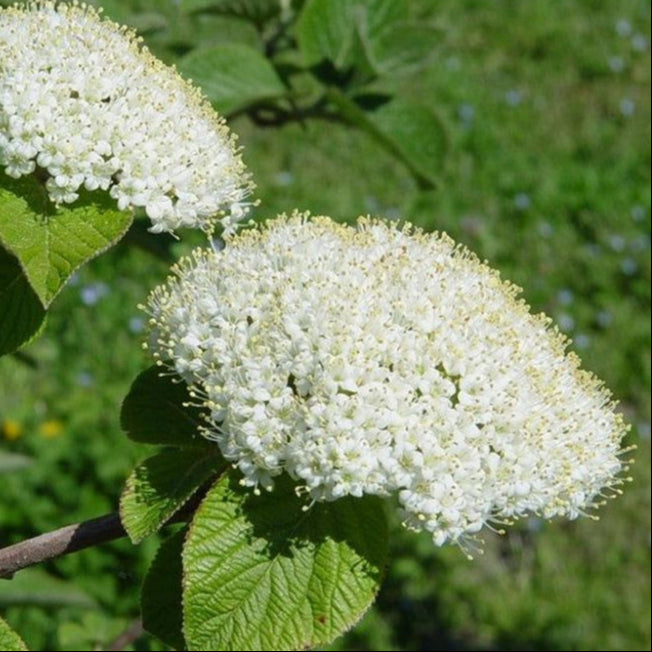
{"x":71,"y":539}
{"x":131,"y":634}
{"x":59,"y":542}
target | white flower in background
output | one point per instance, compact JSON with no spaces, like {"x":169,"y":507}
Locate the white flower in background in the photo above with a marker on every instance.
{"x":84,"y":104}
{"x":380,"y":360}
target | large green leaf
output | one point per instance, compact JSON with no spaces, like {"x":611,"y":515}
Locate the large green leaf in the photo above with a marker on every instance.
{"x":347,"y":32}
{"x":417,"y":133}
{"x":52,"y":242}
{"x":21,"y":313}
{"x":161,"y":594}
{"x":9,"y":640}
{"x":156,"y":489}
{"x":325,"y":31}
{"x":264,"y":572}
{"x":409,"y":131}
{"x":156,"y":411}
{"x":232,"y":76}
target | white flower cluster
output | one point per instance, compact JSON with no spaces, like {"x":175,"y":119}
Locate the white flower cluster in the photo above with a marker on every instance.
{"x":380,"y":360}
{"x":83,"y":103}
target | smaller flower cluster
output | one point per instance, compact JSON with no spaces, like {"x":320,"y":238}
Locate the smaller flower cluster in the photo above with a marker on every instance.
{"x":379,"y":360}
{"x":81,"y":100}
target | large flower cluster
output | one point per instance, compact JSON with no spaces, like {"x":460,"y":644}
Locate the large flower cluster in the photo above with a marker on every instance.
{"x":84,"y":103}
{"x":380,"y":360}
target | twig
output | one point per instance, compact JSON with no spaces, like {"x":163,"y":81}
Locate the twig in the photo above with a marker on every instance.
{"x":59,"y":542}
{"x":73,"y":538}
{"x":132,"y":633}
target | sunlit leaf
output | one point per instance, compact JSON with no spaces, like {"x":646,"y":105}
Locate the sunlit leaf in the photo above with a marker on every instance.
{"x":267,"y":573}
{"x":50,"y":241}
{"x":156,"y":489}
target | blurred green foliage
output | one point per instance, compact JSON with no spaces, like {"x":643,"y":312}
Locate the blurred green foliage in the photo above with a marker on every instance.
{"x":546,"y":110}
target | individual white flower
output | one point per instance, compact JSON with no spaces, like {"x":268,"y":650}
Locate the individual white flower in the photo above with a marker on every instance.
{"x":81,"y":99}
{"x":381,"y":360}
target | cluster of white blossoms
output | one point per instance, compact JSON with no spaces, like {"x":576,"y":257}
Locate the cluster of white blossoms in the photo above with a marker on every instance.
{"x":380,"y":360}
{"x":83,"y":104}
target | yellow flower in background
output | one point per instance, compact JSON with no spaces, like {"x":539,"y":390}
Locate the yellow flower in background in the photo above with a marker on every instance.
{"x":51,"y":428}
{"x":11,"y":430}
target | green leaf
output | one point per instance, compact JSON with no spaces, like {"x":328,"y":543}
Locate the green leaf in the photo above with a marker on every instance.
{"x":392,"y":44}
{"x":411,"y":132}
{"x":232,"y":76}
{"x":52,"y":242}
{"x":156,"y":411}
{"x":161,"y":594}
{"x":347,"y":32}
{"x":21,"y":314}
{"x":381,"y":15}
{"x":405,"y":48}
{"x":324,"y":31}
{"x":161,"y":485}
{"x":9,"y":640}
{"x":417,"y":133}
{"x":256,"y":11}
{"x":262,"y":573}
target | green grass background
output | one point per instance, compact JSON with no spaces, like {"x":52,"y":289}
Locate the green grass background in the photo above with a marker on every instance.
{"x":547,"y":176}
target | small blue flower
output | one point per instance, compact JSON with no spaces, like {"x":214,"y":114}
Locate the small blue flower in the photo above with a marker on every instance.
{"x":604,"y":318}
{"x":136,"y":324}
{"x":565,"y":321}
{"x":639,"y":42}
{"x":466,"y":113}
{"x":565,"y":297}
{"x":545,"y":229}
{"x":92,"y":293}
{"x":522,"y":201}
{"x":513,"y":97}
{"x":582,"y":341}
{"x":616,"y":64}
{"x":628,"y":266}
{"x":85,"y":379}
{"x":623,"y":27}
{"x":627,"y":107}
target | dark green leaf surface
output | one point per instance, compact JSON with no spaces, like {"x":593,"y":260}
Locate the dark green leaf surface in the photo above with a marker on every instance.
{"x":155,"y":411}
{"x":161,"y":594}
{"x":21,"y":313}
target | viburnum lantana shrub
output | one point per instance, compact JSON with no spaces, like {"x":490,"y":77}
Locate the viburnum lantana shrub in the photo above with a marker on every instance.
{"x":307,"y":374}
